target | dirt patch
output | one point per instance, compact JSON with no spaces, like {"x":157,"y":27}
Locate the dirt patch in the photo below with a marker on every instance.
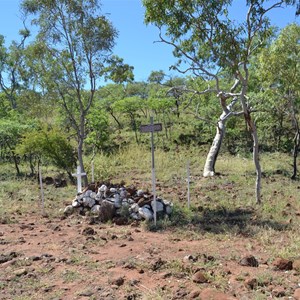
{"x":72,"y":259}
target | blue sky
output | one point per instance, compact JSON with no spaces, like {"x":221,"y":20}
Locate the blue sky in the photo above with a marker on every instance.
{"x":136,"y":40}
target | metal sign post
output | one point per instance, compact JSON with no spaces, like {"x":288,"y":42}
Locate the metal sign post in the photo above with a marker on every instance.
{"x":93,"y":178}
{"x":152,"y":128}
{"x":78,"y":176}
{"x":93,"y":167}
{"x":188,"y":184}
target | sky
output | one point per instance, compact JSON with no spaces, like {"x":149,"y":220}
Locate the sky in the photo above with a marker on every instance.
{"x":137,"y":43}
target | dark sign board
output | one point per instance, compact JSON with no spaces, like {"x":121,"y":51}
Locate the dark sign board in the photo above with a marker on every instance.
{"x":151,"y":127}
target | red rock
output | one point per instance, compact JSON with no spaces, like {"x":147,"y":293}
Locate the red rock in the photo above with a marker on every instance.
{"x":88,"y":231}
{"x":251,"y":283}
{"x":199,"y":277}
{"x":296,"y":265}
{"x":121,"y":221}
{"x":283,"y":264}
{"x":278,"y":292}
{"x":249,"y":261}
{"x":194,"y":294}
{"x":107,"y":211}
{"x":157,"y":264}
{"x":297,"y":294}
{"x":210,"y":294}
{"x":118,"y":281}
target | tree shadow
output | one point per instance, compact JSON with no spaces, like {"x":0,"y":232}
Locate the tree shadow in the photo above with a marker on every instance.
{"x":240,"y":221}
{"x":243,"y":221}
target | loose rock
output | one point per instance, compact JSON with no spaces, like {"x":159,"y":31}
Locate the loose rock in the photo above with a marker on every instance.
{"x":296,"y":265}
{"x":283,"y":264}
{"x":194,"y":294}
{"x":297,"y":294}
{"x":110,"y":201}
{"x":180,"y":294}
{"x":278,"y":292}
{"x":86,"y":293}
{"x":88,"y":231}
{"x":6,"y":257}
{"x":249,"y":261}
{"x":156,"y":264}
{"x":106,"y":211}
{"x":20,"y":272}
{"x":117,"y":281}
{"x":251,"y":283}
{"x":199,"y":277}
{"x":68,"y":210}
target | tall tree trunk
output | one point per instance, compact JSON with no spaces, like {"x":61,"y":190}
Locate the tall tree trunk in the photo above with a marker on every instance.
{"x":209,"y":167}
{"x":16,"y":164}
{"x":253,"y":131}
{"x":80,"y":159}
{"x":81,"y":136}
{"x":256,"y":162}
{"x":115,"y":118}
{"x":14,"y":157}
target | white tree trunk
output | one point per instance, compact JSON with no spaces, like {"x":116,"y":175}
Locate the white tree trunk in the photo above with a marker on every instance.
{"x":81,"y":135}
{"x":256,"y":162}
{"x":253,"y":131}
{"x":209,"y":167}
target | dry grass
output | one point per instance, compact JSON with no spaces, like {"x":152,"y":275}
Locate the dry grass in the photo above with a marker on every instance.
{"x":220,"y":206}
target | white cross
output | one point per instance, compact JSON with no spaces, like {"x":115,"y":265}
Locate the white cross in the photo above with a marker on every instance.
{"x":78,"y":175}
{"x":93,"y":178}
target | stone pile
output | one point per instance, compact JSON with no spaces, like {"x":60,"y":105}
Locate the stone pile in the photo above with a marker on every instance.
{"x":108,"y":201}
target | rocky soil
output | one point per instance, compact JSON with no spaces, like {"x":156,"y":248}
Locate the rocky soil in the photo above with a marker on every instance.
{"x":71,"y":258}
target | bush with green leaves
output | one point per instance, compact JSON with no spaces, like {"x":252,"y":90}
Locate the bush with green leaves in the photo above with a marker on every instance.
{"x":49,"y":146}
{"x":11,"y":131}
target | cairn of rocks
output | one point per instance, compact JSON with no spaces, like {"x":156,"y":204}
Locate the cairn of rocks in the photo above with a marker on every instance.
{"x":108,"y":201}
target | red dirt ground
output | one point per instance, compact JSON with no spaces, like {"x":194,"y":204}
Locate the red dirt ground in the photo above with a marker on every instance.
{"x":43,"y":258}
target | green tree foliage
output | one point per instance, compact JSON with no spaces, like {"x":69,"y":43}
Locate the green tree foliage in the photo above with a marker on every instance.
{"x":72,"y":47}
{"x":118,"y":71}
{"x":98,"y":128}
{"x":50,"y":146}
{"x":206,"y":40}
{"x":12,"y":127}
{"x":130,"y":106}
{"x":107,"y":96}
{"x":11,"y":60}
{"x":278,"y":67}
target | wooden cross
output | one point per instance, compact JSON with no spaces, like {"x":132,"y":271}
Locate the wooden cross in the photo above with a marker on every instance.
{"x":78,"y":175}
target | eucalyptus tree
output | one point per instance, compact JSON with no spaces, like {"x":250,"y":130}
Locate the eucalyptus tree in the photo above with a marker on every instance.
{"x":107,"y":96}
{"x":73,"y":44}
{"x":11,"y":59}
{"x":117,"y":71}
{"x":166,"y":100}
{"x":279,"y":71}
{"x":12,"y":128}
{"x":208,"y":41}
{"x":174,"y":86}
{"x":130,"y":106}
